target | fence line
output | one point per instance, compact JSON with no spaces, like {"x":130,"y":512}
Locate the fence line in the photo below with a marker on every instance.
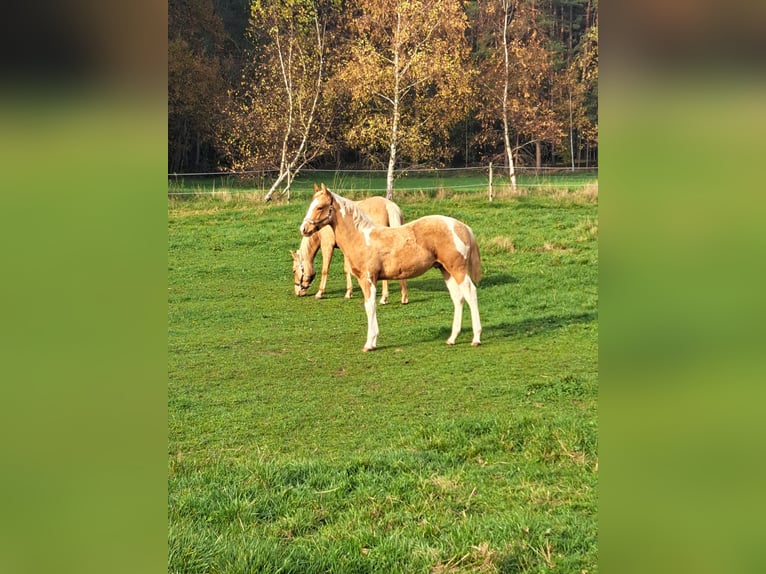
{"x":397,"y":171}
{"x":474,"y":187}
{"x":425,"y":173}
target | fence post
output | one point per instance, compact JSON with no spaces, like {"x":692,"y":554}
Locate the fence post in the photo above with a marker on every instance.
{"x":491,"y":193}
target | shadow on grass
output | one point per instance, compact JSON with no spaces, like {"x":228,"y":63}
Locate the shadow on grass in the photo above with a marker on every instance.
{"x":433,"y":283}
{"x":533,"y":326}
{"x":437,"y":283}
{"x":524,"y":328}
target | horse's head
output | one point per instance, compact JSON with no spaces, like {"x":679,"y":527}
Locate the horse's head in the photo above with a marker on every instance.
{"x":303,"y":273}
{"x":320,"y":212}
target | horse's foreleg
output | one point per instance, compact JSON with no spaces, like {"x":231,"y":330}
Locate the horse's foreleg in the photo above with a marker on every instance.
{"x":384,"y":295}
{"x":457,"y":300}
{"x":368,"y":289}
{"x":349,"y":284}
{"x":326,"y":260}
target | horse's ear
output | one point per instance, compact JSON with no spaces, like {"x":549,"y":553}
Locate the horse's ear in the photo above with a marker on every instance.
{"x":294,"y":254}
{"x":324,"y":189}
{"x":316,"y":187}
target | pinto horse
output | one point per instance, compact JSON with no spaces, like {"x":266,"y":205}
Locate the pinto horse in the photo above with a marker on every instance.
{"x":381,"y":211}
{"x":404,"y":252}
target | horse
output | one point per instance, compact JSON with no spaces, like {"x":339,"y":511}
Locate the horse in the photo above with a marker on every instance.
{"x":381,"y":211}
{"x":404,"y":252}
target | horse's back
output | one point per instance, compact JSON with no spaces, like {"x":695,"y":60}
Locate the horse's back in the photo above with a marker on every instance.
{"x":448,"y":239}
{"x":382,"y":211}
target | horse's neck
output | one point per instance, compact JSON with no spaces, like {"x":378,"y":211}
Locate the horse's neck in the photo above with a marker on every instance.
{"x":310,"y":246}
{"x":349,"y":227}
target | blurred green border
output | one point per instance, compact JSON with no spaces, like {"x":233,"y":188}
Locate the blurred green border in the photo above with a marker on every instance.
{"x":681,"y":251}
{"x":83,"y":479}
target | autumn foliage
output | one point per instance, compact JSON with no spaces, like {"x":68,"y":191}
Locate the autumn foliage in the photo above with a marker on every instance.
{"x":267,"y":85}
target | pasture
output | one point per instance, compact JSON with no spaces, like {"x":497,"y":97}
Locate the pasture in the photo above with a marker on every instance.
{"x":290,"y":450}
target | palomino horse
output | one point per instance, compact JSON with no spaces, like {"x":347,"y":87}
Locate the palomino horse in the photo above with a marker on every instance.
{"x":401,"y":253}
{"x":381,"y":211}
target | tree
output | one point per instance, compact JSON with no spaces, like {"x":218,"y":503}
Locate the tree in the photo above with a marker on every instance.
{"x":276,"y":107}
{"x":407,"y":77}
{"x":584,"y":71}
{"x":516,"y":70}
{"x":196,"y":83}
{"x":276,"y":84}
{"x":572,"y":26}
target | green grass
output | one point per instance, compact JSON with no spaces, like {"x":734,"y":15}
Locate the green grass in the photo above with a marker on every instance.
{"x":290,"y":450}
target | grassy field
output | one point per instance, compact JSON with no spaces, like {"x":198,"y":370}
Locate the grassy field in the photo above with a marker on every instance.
{"x":290,"y":450}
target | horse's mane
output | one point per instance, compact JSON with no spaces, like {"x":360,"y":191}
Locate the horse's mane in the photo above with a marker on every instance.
{"x":360,"y":218}
{"x":308,"y":245}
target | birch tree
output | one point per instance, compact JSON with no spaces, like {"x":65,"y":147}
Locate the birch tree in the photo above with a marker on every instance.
{"x":407,"y":77}
{"x":517,"y":72}
{"x":507,"y":15}
{"x":274,"y":114}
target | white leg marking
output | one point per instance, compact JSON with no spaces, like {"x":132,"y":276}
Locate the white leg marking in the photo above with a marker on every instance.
{"x":457,"y":301}
{"x":469,"y":292}
{"x":372,"y":320}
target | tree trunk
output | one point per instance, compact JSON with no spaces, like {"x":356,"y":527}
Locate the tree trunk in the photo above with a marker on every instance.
{"x":395,"y":119}
{"x":538,"y":156}
{"x":392,"y":152}
{"x":288,"y":169}
{"x":571,"y":131}
{"x":507,"y":15}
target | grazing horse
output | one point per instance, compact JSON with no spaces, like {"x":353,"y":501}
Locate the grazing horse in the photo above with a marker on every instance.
{"x":404,"y":252}
{"x":381,"y":211}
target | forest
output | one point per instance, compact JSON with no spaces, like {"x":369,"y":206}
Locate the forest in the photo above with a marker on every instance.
{"x":381,"y":84}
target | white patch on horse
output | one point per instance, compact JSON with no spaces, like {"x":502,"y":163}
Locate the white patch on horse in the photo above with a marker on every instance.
{"x":461,"y":247}
{"x":306,"y":219}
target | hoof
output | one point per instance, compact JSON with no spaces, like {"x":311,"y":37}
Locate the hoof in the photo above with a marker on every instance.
{"x":405,"y":301}
{"x":450,"y":342}
{"x":368,"y":349}
{"x":318,"y":296}
{"x":347,"y":295}
{"x":475,"y":343}
{"x":383,"y":302}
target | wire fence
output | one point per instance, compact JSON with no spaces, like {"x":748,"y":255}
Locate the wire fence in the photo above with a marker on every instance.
{"x":426,"y":180}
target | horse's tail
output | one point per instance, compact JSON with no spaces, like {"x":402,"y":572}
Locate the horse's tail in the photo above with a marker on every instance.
{"x":395,"y":215}
{"x":474,"y":259}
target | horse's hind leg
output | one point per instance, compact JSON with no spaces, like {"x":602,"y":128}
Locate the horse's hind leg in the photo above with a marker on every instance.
{"x":457,"y":300}
{"x":469,"y":293}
